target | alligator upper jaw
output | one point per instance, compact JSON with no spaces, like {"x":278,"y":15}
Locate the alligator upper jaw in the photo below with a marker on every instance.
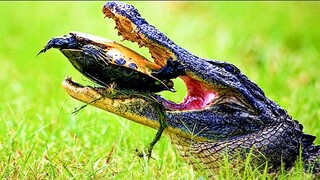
{"x":131,"y":26}
{"x":129,"y":22}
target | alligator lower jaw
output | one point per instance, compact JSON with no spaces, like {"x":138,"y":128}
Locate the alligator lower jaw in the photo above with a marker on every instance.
{"x":199,"y":96}
{"x":139,"y":108}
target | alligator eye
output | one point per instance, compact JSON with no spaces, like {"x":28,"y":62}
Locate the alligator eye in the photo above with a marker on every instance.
{"x":230,"y":68}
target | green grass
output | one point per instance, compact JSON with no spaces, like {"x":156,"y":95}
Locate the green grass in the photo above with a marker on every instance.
{"x":275,"y":44}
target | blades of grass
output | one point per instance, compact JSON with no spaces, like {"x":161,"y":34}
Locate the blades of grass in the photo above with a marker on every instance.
{"x":68,"y":171}
{"x":265,"y":171}
{"x":247,"y":166}
{"x":227,"y":171}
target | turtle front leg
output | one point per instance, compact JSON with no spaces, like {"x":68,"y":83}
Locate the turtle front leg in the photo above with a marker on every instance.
{"x":171,"y":70}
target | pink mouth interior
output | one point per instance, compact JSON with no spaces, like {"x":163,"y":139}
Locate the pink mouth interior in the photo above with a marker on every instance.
{"x":199,"y":96}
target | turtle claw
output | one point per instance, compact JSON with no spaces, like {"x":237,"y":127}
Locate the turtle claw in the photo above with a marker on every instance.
{"x":145,"y":153}
{"x":47,"y":47}
{"x":42,"y":51}
{"x":171,"y":70}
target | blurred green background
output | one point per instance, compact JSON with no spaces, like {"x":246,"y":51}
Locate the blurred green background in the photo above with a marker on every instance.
{"x":276,"y":44}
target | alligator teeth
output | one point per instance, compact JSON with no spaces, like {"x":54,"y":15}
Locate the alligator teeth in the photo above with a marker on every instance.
{"x":140,"y":44}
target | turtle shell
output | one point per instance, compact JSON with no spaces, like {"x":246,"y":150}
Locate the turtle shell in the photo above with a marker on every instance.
{"x":105,"y":62}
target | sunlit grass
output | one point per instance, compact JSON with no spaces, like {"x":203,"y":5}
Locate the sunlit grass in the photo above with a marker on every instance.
{"x":275,"y":44}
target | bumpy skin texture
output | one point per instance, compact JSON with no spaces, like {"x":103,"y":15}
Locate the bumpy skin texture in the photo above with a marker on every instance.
{"x":241,"y":118}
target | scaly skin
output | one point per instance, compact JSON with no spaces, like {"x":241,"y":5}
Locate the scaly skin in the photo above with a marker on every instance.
{"x":237,"y":118}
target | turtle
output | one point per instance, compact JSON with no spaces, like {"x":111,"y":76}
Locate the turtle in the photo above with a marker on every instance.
{"x":107,"y":62}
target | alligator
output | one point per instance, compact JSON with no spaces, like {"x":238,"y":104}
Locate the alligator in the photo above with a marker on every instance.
{"x":224,"y":114}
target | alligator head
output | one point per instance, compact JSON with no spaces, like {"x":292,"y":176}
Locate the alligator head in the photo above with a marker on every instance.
{"x":223,"y":112}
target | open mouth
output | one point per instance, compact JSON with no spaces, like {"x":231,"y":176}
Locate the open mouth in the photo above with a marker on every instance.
{"x":199,"y":96}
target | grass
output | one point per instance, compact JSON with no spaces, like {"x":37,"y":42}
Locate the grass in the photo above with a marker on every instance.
{"x":276,"y":44}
